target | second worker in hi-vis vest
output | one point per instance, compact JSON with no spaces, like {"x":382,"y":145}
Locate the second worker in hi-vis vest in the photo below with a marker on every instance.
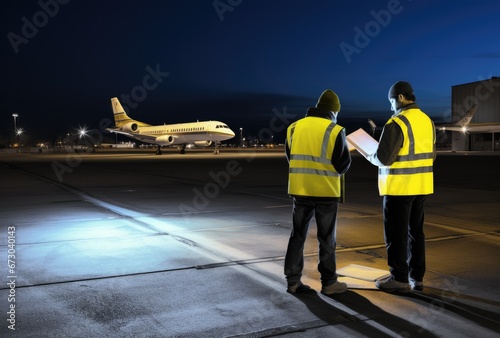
{"x":318,"y":155}
{"x":405,"y":156}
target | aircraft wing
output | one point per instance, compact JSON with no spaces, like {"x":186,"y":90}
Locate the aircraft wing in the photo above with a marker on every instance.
{"x":137,"y":136}
{"x":474,"y":128}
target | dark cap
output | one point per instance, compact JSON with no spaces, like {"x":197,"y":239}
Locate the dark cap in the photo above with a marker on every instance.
{"x":400,"y":87}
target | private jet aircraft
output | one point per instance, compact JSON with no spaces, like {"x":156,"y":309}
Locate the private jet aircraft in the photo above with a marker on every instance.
{"x":201,"y":134}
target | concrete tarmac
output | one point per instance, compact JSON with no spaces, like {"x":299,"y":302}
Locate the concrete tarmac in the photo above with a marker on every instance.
{"x":137,"y":245}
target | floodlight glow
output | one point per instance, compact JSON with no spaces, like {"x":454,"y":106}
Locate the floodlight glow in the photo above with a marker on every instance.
{"x":19,"y":131}
{"x":464,"y":129}
{"x":82,"y":132}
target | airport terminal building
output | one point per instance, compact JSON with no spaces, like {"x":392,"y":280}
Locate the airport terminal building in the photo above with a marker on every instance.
{"x":486,"y":94}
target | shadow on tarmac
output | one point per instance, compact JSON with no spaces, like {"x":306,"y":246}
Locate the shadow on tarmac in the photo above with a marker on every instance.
{"x":460,"y":304}
{"x":366,"y":311}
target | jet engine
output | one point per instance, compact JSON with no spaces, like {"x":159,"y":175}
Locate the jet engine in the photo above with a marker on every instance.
{"x":165,"y":140}
{"x":202,"y":144}
{"x":131,"y":127}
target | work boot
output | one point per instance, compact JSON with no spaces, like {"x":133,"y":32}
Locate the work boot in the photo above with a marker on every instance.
{"x":299,"y":288}
{"x":337,"y":287}
{"x":389,"y":284}
{"x":416,"y":285}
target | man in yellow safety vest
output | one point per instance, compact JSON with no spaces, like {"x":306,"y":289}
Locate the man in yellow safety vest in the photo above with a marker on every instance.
{"x":405,"y":156}
{"x":318,"y":155}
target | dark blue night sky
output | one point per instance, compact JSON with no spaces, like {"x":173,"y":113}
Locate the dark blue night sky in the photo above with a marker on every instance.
{"x":247,"y":63}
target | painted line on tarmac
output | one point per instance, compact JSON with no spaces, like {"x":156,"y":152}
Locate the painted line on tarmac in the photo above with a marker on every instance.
{"x":465,"y":232}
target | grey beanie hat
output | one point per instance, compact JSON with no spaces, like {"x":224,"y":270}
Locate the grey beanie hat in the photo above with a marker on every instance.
{"x":329,"y":101}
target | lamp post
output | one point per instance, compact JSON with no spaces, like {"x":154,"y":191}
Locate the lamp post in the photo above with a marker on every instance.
{"x":16,"y":132}
{"x":241,"y":137}
{"x":15,"y":115}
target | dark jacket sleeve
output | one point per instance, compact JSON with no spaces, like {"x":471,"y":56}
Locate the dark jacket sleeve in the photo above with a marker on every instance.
{"x":390,"y":143}
{"x":341,"y":157}
{"x":287,"y":151}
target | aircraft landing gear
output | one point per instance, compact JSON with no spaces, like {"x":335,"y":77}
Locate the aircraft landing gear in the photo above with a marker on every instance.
{"x":158,"y":150}
{"x":216,"y":151}
{"x":183,"y":149}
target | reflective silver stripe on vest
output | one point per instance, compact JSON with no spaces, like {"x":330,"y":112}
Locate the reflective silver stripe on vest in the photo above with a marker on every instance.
{"x":317,"y":172}
{"x":310,"y":158}
{"x":404,"y":171}
{"x":423,"y":156}
{"x":321,"y":159}
{"x":410,"y":157}
{"x":326,"y":138}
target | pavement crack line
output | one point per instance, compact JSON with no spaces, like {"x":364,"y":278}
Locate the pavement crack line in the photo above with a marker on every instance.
{"x":97,"y":278}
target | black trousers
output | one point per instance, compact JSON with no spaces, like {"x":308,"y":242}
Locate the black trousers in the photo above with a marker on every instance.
{"x":404,"y":236}
{"x":325,"y":212}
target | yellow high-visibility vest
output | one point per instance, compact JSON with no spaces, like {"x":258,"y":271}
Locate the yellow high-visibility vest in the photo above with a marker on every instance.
{"x":311,"y":172}
{"x":412,"y":172}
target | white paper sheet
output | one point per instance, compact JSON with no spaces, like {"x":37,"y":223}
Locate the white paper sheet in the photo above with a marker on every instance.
{"x":362,"y":142}
{"x":362,"y":272}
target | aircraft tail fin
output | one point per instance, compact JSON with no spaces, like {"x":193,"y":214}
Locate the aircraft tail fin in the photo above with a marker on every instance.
{"x":121,"y":117}
{"x":467,"y":117}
